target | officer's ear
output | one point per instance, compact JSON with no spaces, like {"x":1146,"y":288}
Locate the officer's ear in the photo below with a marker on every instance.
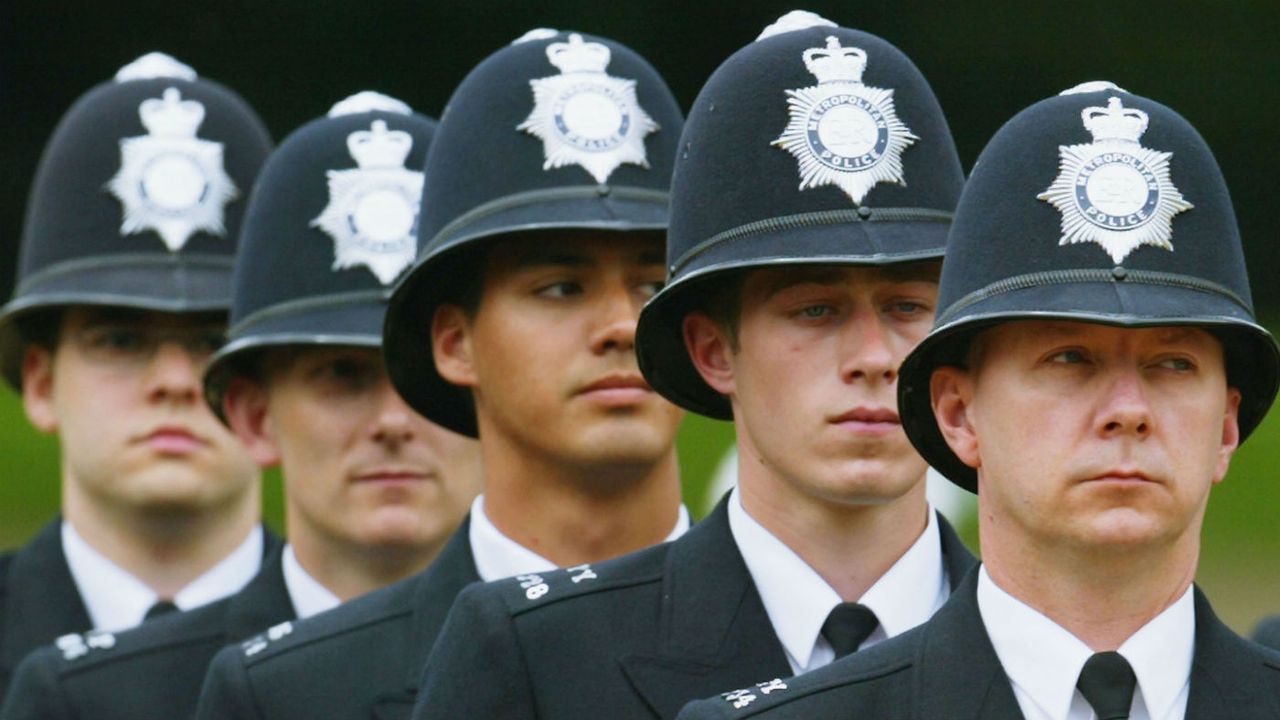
{"x":37,"y":387}
{"x":951,"y":389}
{"x":1230,"y":434}
{"x":451,"y":345}
{"x":245,"y":405}
{"x":711,"y":349}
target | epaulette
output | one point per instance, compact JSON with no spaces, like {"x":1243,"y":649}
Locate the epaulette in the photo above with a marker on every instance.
{"x":531,"y":590}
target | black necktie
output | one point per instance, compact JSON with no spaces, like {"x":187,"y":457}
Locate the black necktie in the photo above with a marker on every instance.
{"x":848,"y":625}
{"x":1107,"y":682}
{"x":161,"y":607}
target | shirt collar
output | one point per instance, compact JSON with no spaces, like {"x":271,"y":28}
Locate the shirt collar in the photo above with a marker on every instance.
{"x":797,"y":599}
{"x":498,"y":556}
{"x":117,"y":600}
{"x":1044,"y":660}
{"x":309,"y":597}
{"x":1161,"y":655}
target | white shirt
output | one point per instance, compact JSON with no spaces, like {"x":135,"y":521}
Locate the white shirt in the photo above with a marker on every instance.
{"x":116,"y":600}
{"x":498,"y":556}
{"x":306,"y":593}
{"x":798,"y":600}
{"x":1043,"y":660}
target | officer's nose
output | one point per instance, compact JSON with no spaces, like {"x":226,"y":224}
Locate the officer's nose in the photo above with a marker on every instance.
{"x":865,"y":350}
{"x":394,"y":422}
{"x":174,"y":375}
{"x":1125,"y":410}
{"x":619,"y":311}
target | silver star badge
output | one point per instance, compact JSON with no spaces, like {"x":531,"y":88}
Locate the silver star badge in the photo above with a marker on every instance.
{"x":373,"y":209}
{"x":1113,"y":191}
{"x":844,"y":133}
{"x":171,"y":181}
{"x":584,"y":116}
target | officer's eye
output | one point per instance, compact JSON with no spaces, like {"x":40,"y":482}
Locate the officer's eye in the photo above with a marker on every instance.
{"x":116,"y":340}
{"x":205,"y":344}
{"x":1178,"y":364}
{"x":817,"y":311}
{"x":906,"y":307}
{"x":349,"y":373}
{"x":560,"y":289}
{"x":649,"y":289}
{"x":1068,"y":357}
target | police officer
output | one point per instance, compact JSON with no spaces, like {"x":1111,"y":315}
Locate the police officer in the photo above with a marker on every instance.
{"x":543,"y":218}
{"x":793,"y":298}
{"x":372,"y":489}
{"x":1094,"y":365}
{"x":122,"y":293}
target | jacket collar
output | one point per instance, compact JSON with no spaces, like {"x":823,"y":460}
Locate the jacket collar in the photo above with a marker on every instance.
{"x":955,"y":556}
{"x":957,"y":673}
{"x":262,"y":603}
{"x":713,"y":631}
{"x":1225,"y":672}
{"x":41,"y":601}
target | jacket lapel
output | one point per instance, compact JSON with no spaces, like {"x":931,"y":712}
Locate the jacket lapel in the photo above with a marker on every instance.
{"x":262,"y":603}
{"x":955,"y":556}
{"x":713,"y":634}
{"x":436,"y":589}
{"x":43,"y":602}
{"x":1230,"y":677}
{"x":957,"y":674}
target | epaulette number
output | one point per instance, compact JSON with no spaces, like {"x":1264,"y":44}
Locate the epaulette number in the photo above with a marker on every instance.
{"x":76,"y":645}
{"x":742,"y":698}
{"x":258,"y":643}
{"x":534,"y":586}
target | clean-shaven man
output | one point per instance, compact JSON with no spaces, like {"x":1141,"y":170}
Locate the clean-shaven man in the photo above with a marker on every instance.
{"x":123,"y":288}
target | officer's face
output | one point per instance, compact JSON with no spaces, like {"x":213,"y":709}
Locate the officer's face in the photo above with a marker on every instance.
{"x":122,"y":389}
{"x":1086,"y":435}
{"x":550,"y":351}
{"x":360,"y":467}
{"x":813,"y":379}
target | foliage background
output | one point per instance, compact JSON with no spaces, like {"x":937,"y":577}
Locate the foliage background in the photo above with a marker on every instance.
{"x":1216,"y":61}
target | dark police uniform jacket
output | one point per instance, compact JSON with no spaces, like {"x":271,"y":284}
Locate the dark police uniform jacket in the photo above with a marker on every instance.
{"x":359,"y":660}
{"x":1268,"y":632}
{"x":39,"y":600}
{"x":634,"y":637}
{"x":153,"y":671}
{"x":947,"y":668}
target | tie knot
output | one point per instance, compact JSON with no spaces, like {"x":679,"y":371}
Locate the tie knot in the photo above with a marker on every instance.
{"x":161,"y":607}
{"x":848,"y":626}
{"x":1107,"y":682}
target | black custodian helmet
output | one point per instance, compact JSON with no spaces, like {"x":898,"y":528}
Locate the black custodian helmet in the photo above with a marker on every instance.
{"x":1097,"y":206}
{"x":137,"y":200}
{"x":330,"y":226}
{"x":815,"y":144}
{"x":557,"y":131}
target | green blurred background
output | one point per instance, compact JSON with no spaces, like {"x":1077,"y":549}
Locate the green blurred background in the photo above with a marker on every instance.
{"x":1218,"y":63}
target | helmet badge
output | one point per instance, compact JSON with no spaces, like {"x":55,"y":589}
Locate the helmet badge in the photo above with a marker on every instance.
{"x":171,"y":181}
{"x":373,"y":209}
{"x":844,"y":133}
{"x":1113,"y":191}
{"x":584,"y":116}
